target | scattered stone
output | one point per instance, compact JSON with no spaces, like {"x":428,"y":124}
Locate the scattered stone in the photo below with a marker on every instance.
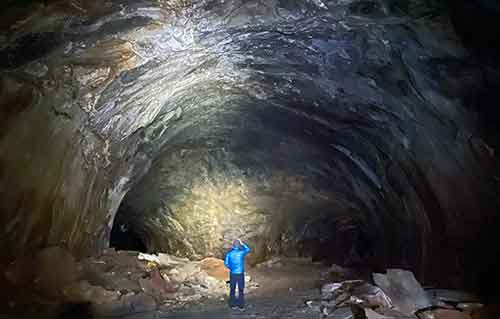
{"x":356,"y":292}
{"x":117,"y":283}
{"x":403,"y":289}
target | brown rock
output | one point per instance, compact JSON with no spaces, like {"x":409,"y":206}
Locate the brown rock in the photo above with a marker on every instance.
{"x":83,"y":291}
{"x":56,"y":269}
{"x":215,"y":268}
{"x":155,"y":285}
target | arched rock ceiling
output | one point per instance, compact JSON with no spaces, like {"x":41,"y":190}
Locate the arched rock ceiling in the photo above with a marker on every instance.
{"x":287,"y":122}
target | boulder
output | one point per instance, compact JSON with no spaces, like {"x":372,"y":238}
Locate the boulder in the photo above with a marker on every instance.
{"x":154,"y":285}
{"x":83,"y":291}
{"x":149,"y":257}
{"x":328,"y":290}
{"x":184,"y":272}
{"x":403,"y":289}
{"x":354,"y":292}
{"x":215,"y":268}
{"x":166,"y":260}
{"x":55,"y":269}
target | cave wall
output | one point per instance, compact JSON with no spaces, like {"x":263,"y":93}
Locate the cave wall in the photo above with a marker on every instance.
{"x":61,"y":183}
{"x":326,"y":117}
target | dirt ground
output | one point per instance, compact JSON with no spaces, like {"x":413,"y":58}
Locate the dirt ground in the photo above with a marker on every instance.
{"x":282,"y":293}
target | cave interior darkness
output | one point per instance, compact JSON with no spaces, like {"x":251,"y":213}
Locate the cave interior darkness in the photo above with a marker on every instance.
{"x":300,"y":138}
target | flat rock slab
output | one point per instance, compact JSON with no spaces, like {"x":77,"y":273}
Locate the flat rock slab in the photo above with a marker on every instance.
{"x":404,"y":290}
{"x":355,"y":292}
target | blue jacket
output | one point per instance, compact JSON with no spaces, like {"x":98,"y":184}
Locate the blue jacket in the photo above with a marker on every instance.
{"x":235,"y":259}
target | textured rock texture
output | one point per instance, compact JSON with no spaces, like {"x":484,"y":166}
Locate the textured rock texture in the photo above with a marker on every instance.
{"x":346,"y":130}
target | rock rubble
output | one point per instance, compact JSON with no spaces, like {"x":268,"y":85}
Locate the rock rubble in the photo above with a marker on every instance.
{"x":116,"y":282}
{"x":394,"y":295}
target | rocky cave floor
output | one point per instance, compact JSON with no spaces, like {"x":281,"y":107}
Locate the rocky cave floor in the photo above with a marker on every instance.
{"x":129,"y":284}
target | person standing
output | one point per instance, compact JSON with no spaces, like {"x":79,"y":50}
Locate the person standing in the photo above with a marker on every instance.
{"x":235,"y":262}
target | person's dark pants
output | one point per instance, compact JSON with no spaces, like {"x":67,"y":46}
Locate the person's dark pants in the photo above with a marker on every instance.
{"x":239,"y":281}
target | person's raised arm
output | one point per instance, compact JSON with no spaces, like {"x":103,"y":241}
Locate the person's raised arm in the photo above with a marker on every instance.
{"x":245,"y":247}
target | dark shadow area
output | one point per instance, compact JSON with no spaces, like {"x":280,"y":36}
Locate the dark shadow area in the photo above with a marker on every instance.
{"x":124,"y":236}
{"x":476,"y":22}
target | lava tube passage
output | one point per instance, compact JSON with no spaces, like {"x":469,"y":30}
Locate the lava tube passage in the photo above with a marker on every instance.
{"x":289,"y":158}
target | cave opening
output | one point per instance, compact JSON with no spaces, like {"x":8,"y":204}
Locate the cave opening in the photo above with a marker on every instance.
{"x":125,"y":235}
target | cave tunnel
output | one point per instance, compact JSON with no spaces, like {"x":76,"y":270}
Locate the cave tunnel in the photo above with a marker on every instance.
{"x":125,"y":235}
{"x":361,"y":133}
